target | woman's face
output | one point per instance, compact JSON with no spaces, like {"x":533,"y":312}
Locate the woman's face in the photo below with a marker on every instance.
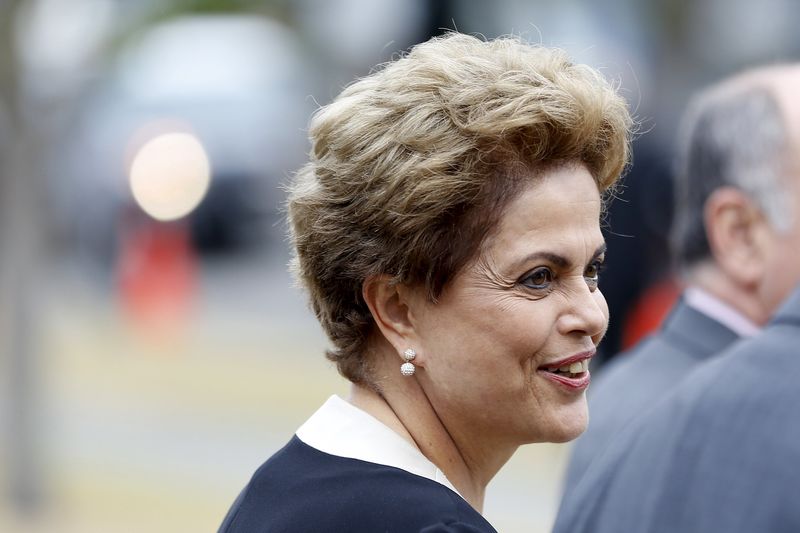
{"x":528,"y":305}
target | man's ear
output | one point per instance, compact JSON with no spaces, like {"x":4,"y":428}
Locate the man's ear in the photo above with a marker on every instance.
{"x":392,"y":308}
{"x":737,"y":235}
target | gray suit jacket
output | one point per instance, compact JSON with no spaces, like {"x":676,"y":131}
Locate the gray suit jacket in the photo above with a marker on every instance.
{"x":635,"y":381}
{"x":720,"y":453}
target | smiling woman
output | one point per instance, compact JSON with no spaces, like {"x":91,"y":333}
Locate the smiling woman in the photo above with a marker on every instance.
{"x":447,"y":229}
{"x":528,"y":304}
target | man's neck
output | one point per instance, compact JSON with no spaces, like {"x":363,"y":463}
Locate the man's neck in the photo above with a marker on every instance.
{"x":743,"y":300}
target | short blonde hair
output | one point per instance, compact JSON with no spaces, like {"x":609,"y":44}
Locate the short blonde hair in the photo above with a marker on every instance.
{"x":412,"y":165}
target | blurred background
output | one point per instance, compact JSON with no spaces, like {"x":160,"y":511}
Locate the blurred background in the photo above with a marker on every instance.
{"x":154,"y":349}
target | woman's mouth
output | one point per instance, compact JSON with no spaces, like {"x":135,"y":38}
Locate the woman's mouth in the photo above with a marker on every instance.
{"x":574,"y":376}
{"x":572,"y":370}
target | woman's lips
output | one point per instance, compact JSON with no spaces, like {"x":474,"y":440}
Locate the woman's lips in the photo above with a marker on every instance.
{"x":572,"y":372}
{"x":577,"y":383}
{"x":578,"y":357}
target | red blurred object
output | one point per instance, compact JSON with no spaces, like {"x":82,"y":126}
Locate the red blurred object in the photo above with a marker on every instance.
{"x":157,"y":274}
{"x":650,"y":310}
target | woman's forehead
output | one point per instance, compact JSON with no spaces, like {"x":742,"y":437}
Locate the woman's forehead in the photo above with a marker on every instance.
{"x":561,"y":209}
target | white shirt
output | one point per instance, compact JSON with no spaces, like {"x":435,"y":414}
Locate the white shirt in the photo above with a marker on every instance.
{"x":723,"y":313}
{"x":342,"y":429}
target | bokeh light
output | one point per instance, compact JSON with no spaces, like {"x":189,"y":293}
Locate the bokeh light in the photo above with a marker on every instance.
{"x":170,"y":175}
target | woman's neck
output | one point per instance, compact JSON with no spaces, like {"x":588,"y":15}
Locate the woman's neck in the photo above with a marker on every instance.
{"x":403,"y":407}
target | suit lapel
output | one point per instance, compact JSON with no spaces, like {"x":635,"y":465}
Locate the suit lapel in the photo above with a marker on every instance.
{"x":789,"y":313}
{"x":695,"y":333}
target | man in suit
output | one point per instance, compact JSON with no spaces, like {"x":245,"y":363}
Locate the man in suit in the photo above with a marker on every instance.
{"x":734,"y":219}
{"x":720,"y":453}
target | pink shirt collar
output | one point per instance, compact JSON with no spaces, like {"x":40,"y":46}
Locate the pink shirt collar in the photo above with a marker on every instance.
{"x":723,"y":313}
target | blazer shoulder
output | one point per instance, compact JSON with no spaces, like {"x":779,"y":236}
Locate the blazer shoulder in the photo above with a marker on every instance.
{"x":305,"y":490}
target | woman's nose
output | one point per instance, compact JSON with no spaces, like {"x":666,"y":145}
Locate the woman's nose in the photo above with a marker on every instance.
{"x":586,"y":314}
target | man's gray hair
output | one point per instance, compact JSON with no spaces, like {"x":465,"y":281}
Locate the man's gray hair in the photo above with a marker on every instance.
{"x":729,"y":138}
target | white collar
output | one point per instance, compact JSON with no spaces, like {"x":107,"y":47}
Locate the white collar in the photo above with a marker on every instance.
{"x":713,"y":307}
{"x":340,"y":428}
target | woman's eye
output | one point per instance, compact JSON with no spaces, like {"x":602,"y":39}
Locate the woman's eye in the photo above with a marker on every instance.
{"x":592,"y":274}
{"x":539,"y":278}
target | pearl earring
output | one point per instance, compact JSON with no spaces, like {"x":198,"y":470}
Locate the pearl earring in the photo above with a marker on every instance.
{"x":408,"y":368}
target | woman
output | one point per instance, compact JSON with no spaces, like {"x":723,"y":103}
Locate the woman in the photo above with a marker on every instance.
{"x":447,"y":230}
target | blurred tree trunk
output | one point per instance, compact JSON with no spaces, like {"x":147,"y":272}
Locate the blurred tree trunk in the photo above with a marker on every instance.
{"x":20,"y":253}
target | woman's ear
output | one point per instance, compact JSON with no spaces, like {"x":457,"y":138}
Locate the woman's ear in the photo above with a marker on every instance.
{"x":392,"y":308}
{"x":735,"y":228}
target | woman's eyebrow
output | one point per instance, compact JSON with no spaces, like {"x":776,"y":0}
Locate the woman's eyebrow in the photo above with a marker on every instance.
{"x":551,"y":257}
{"x":600,"y":251}
{"x":556,"y":259}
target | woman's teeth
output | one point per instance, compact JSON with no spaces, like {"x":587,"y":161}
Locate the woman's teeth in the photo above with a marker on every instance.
{"x":575,"y":368}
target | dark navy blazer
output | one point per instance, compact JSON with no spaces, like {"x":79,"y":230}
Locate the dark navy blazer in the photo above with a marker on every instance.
{"x":301,"y":489}
{"x":636,"y":380}
{"x":721,"y":453}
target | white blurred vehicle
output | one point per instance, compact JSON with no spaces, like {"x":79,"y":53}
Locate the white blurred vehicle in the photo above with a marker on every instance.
{"x":240,"y":84}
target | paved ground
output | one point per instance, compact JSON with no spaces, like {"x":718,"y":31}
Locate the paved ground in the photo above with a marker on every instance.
{"x":158,"y":435}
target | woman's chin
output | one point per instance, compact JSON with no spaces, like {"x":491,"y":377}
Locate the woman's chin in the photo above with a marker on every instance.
{"x":563,"y":426}
{"x":567,"y":436}
{"x":570,"y":426}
